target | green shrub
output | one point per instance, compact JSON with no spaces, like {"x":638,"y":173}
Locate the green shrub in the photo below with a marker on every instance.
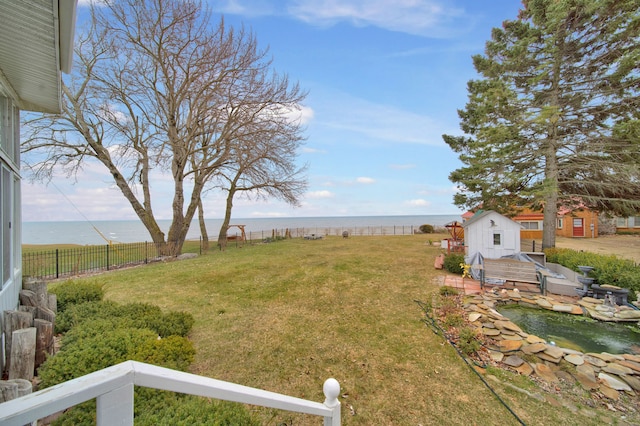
{"x":137,"y":315}
{"x":426,"y":229}
{"x":74,"y":292}
{"x":92,"y":354}
{"x":448,"y":291}
{"x":608,"y":269}
{"x":172,"y":352}
{"x":468,"y":343}
{"x":162,"y":408}
{"x":452,"y":263}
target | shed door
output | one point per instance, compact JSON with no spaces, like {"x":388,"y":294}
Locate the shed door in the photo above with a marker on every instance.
{"x":578,"y":227}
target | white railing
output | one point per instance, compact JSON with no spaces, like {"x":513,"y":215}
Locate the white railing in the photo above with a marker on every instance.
{"x":113,"y":390}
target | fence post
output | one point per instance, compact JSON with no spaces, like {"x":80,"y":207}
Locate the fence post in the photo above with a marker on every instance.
{"x":57,"y":264}
{"x":107,"y":257}
{"x":331,"y":390}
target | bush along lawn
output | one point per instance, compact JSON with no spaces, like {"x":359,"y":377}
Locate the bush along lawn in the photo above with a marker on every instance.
{"x":97,"y":334}
{"x":608,"y":269}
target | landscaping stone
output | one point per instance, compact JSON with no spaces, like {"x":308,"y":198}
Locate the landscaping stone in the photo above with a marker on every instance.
{"x":509,"y":345}
{"x":544,"y":303}
{"x":490,"y":331}
{"x":474,"y":316}
{"x":617,"y":369}
{"x":496,"y":356}
{"x":574,"y":359}
{"x":613,"y":382}
{"x":525,"y":369}
{"x":563,"y":308}
{"x":508,"y":325}
{"x":513,"y":361}
{"x":535,"y":339}
{"x":635,"y":366}
{"x":534,"y":348}
{"x":610,"y":393}
{"x":597,"y":362}
{"x":554,"y":351}
{"x":545,"y":373}
{"x":607,"y":373}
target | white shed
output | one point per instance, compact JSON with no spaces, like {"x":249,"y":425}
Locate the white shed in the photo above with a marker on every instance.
{"x":492,"y":235}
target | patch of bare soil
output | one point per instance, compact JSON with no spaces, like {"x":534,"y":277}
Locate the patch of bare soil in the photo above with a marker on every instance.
{"x":624,"y":246}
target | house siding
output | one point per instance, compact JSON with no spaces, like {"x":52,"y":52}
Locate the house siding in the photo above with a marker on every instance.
{"x":10,"y":220}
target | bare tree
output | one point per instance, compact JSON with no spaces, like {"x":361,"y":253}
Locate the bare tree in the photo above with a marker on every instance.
{"x":264,"y":166}
{"x":158,"y":85}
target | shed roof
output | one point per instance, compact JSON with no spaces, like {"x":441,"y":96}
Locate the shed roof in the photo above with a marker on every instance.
{"x":478,"y":216}
{"x":36,"y":44}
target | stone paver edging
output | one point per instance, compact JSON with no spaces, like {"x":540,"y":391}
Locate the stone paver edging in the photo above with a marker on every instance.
{"x":531,"y":355}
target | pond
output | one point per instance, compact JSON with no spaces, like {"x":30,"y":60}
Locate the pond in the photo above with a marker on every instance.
{"x":575,"y":332}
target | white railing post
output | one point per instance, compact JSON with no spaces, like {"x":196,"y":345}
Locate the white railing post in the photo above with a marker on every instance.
{"x":331,"y":389}
{"x":115,"y":407}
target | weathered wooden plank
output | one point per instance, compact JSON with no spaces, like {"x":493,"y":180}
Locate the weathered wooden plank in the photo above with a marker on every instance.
{"x":23,"y":352}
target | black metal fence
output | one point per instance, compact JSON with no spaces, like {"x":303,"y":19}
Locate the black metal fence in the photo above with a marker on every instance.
{"x":67,"y":262}
{"x":59,"y":263}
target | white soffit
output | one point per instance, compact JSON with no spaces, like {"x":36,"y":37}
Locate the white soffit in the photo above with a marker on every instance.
{"x":36,"y":40}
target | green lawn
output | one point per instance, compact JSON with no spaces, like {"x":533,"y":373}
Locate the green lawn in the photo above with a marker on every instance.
{"x":286,"y":316}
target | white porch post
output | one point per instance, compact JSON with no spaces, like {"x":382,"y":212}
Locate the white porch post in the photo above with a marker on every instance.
{"x":115,"y":407}
{"x":331,"y":389}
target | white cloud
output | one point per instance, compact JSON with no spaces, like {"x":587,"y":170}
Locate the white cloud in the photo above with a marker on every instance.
{"x":419,"y":17}
{"x":320,"y":194}
{"x":309,"y":150}
{"x":418,"y":203}
{"x":365,"y":180}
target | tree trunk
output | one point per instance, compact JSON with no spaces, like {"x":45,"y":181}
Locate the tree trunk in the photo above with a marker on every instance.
{"x":550,"y":198}
{"x":14,"y":320}
{"x":23,"y":353}
{"x":44,"y":340}
{"x":222,"y":235}
{"x":203,"y":227}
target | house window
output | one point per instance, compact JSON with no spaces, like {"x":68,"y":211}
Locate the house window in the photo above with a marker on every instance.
{"x":530,"y":225}
{"x":636,"y":222}
{"x":5,"y":226}
{"x":621,"y":222}
{"x":497,"y":239}
{"x":559,"y":223}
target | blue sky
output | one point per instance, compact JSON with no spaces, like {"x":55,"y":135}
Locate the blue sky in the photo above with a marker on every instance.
{"x":385,"y":79}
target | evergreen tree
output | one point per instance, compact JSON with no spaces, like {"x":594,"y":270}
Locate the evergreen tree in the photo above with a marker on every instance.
{"x":554,"y":119}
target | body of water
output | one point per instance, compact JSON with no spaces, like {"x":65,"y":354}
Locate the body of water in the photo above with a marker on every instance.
{"x":575,"y":332}
{"x":129,"y":231}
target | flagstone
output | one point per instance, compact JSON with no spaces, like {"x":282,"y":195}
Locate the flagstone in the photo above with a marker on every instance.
{"x":507,"y":325}
{"x":545,"y":373}
{"x":525,"y":369}
{"x":574,"y":359}
{"x":513,"y":361}
{"x":617,"y":369}
{"x":474,"y":316}
{"x":613,"y":382}
{"x":509,"y":345}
